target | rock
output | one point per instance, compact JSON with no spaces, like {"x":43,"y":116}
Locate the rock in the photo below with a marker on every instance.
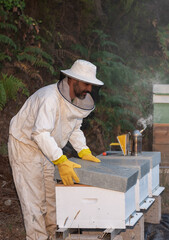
{"x":8,"y":202}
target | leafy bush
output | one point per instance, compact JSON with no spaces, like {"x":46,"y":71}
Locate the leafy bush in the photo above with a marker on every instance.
{"x":9,"y":87}
{"x":10,"y":4}
{"x":36,"y":57}
{"x":23,"y":50}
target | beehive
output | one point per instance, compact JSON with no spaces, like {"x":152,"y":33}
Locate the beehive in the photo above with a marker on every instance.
{"x":154,"y":159}
{"x":143,"y":167}
{"x":106,"y":198}
{"x":161,"y":121}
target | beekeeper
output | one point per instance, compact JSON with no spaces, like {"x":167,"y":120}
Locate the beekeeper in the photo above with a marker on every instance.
{"x":50,"y":118}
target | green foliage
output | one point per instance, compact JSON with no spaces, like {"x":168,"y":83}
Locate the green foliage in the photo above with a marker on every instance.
{"x":8,"y":27}
{"x":163,"y":37}
{"x":41,"y":39}
{"x":10,"y":4}
{"x":39,"y":52}
{"x":41,"y":63}
{"x":3,"y":13}
{"x":126,"y":4}
{"x":9,"y":87}
{"x":81,"y":49}
{"x":27,"y":57}
{"x":35,"y":56}
{"x":24,"y":50}
{"x":3,"y":57}
{"x":103,"y":39}
{"x":29,"y":20}
{"x":3,"y":98}
{"x":7,"y":40}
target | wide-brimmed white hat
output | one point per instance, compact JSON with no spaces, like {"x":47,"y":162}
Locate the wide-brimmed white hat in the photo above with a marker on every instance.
{"x":84,"y":71}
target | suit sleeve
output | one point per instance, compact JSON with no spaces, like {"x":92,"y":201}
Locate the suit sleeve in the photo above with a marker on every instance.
{"x":77,"y":138}
{"x":44,"y":125}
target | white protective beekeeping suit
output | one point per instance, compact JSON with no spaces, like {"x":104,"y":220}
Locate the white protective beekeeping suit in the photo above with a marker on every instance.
{"x":43,"y":126}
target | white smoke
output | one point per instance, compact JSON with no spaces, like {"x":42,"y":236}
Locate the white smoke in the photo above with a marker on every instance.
{"x":144,"y":122}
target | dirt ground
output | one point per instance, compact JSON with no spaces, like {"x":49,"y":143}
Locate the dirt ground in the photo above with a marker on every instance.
{"x":11,"y":221}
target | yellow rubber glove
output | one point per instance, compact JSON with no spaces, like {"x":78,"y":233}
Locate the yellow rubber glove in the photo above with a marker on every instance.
{"x":66,"y":171}
{"x":86,"y":154}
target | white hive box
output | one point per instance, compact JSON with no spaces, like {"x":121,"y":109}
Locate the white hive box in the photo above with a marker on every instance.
{"x":91,"y":207}
{"x":154,"y":175}
{"x":143,"y":167}
{"x":109,"y":201}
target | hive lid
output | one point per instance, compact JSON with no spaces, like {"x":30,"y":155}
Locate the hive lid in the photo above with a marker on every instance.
{"x":153,"y":157}
{"x":115,"y":178}
{"x":161,"y":89}
{"x":143,"y":166}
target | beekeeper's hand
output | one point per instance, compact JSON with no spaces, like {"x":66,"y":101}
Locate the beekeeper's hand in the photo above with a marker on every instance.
{"x":86,"y":154}
{"x":66,"y":171}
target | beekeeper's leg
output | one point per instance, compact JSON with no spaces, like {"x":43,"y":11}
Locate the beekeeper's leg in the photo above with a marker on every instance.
{"x":50,"y":217}
{"x":27,"y":168}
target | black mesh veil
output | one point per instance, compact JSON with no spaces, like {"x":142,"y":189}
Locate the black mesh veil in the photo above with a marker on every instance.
{"x":87,"y":103}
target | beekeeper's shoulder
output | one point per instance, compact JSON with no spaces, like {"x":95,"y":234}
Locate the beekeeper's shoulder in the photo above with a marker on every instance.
{"x":47,"y":93}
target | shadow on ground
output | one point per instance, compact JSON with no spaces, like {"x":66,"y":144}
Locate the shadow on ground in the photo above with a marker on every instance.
{"x":158,"y":231}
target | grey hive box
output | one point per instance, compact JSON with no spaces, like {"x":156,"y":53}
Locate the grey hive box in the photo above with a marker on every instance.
{"x":105,"y":197}
{"x":143,"y":167}
{"x":117,"y":178}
